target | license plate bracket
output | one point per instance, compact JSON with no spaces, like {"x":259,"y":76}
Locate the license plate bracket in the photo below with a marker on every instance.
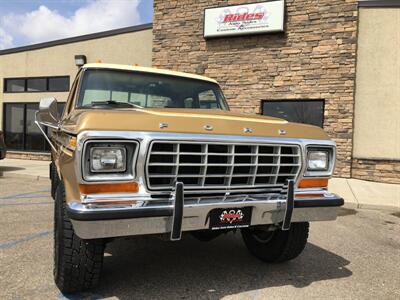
{"x":230,"y":218}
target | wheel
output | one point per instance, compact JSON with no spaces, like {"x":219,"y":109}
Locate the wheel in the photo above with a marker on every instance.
{"x":77,"y":262}
{"x":54,"y":179}
{"x":278,"y":245}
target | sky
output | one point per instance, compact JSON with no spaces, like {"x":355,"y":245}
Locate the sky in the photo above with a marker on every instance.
{"x":26,"y":22}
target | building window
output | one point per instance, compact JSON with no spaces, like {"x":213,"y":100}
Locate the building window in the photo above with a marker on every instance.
{"x":14,"y":85}
{"x":14,"y":126}
{"x":36,"y":84}
{"x":301,"y":111}
{"x":58,"y":84}
{"x":20,"y":130}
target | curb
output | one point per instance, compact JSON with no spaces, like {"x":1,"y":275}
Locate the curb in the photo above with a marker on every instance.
{"x":13,"y":175}
{"x":353,"y":205}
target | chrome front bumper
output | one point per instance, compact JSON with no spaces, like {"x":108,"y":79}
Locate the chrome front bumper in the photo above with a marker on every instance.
{"x":91,"y":222}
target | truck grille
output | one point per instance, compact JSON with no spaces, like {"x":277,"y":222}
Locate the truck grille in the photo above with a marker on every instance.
{"x":209,"y":165}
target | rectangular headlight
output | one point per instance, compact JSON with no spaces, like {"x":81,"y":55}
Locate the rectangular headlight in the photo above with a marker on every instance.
{"x":107,"y":159}
{"x":318,"y":160}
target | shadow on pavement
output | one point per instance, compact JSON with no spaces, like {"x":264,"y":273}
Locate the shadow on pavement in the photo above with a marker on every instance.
{"x":148,"y":268}
{"x":8,"y":169}
{"x":346,"y":212}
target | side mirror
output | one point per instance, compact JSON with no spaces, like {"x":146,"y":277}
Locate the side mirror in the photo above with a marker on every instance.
{"x":47,"y":114}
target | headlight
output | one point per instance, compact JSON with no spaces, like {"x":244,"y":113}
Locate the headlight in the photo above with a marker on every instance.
{"x":318,"y":161}
{"x":108,"y":159}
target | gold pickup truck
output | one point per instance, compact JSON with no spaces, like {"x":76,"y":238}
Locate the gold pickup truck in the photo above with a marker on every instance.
{"x":142,"y":151}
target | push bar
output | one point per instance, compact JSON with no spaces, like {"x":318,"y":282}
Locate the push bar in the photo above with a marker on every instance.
{"x":287,"y":219}
{"x":176,"y":230}
{"x":177,"y":216}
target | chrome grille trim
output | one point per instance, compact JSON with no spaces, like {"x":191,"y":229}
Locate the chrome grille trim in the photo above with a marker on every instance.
{"x":216,"y":165}
{"x":204,"y":199}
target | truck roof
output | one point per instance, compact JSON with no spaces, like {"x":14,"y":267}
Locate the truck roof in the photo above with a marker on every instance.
{"x":147,"y":70}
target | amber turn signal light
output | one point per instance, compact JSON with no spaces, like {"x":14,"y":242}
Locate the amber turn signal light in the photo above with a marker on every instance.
{"x":130,"y":187}
{"x":309,"y":195}
{"x":313,"y":182}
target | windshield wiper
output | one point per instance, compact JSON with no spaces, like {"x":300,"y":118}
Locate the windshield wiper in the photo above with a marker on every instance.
{"x":134,"y":105}
{"x":113,"y":102}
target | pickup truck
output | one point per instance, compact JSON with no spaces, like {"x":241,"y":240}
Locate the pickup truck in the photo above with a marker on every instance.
{"x":145,"y":151}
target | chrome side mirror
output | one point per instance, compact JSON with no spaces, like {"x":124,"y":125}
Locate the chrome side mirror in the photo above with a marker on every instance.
{"x":47,"y":114}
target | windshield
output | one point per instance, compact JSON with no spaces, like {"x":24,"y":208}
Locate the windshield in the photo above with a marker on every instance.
{"x":147,"y":90}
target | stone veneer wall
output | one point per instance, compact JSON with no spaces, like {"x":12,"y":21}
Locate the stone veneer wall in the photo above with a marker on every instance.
{"x":387,"y":171}
{"x":313,"y":59}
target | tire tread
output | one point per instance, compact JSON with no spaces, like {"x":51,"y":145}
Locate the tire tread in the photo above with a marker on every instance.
{"x":54,"y":180}
{"x":283,"y":246}
{"x":79,"y":261}
{"x":295,"y":243}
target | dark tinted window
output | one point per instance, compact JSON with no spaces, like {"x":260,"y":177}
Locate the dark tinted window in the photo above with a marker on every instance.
{"x":14,"y":126}
{"x":60,"y":108}
{"x":58,"y":84}
{"x":15,"y":85}
{"x":36,"y":84}
{"x":20,"y":130}
{"x":34,"y":140}
{"x":306,"y":111}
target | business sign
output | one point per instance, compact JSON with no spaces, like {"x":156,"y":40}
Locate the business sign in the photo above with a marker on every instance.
{"x":244,"y":19}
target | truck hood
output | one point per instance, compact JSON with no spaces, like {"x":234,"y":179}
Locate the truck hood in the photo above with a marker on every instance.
{"x":200,"y":121}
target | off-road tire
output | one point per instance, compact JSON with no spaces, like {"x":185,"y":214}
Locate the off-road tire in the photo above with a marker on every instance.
{"x":54,"y":180}
{"x":280,"y":246}
{"x":77,"y":262}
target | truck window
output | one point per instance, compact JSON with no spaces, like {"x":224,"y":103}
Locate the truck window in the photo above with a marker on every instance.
{"x":148,"y":90}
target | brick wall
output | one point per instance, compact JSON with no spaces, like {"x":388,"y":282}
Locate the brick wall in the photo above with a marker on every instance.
{"x":387,"y":171}
{"x":313,"y":59}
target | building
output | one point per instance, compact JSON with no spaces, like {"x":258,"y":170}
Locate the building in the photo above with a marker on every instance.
{"x":334,"y":64}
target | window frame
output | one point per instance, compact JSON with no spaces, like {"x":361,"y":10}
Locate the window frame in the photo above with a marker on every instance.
{"x":35,"y":77}
{"x":296,"y":101}
{"x":73,"y":94}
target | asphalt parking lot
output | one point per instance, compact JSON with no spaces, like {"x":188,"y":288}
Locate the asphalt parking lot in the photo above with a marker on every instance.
{"x":356,"y":256}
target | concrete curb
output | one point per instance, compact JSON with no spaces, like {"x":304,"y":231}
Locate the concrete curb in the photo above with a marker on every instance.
{"x":363,"y":194}
{"x":352,"y":205}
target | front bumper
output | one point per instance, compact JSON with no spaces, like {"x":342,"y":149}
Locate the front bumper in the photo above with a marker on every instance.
{"x":91,"y":222}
